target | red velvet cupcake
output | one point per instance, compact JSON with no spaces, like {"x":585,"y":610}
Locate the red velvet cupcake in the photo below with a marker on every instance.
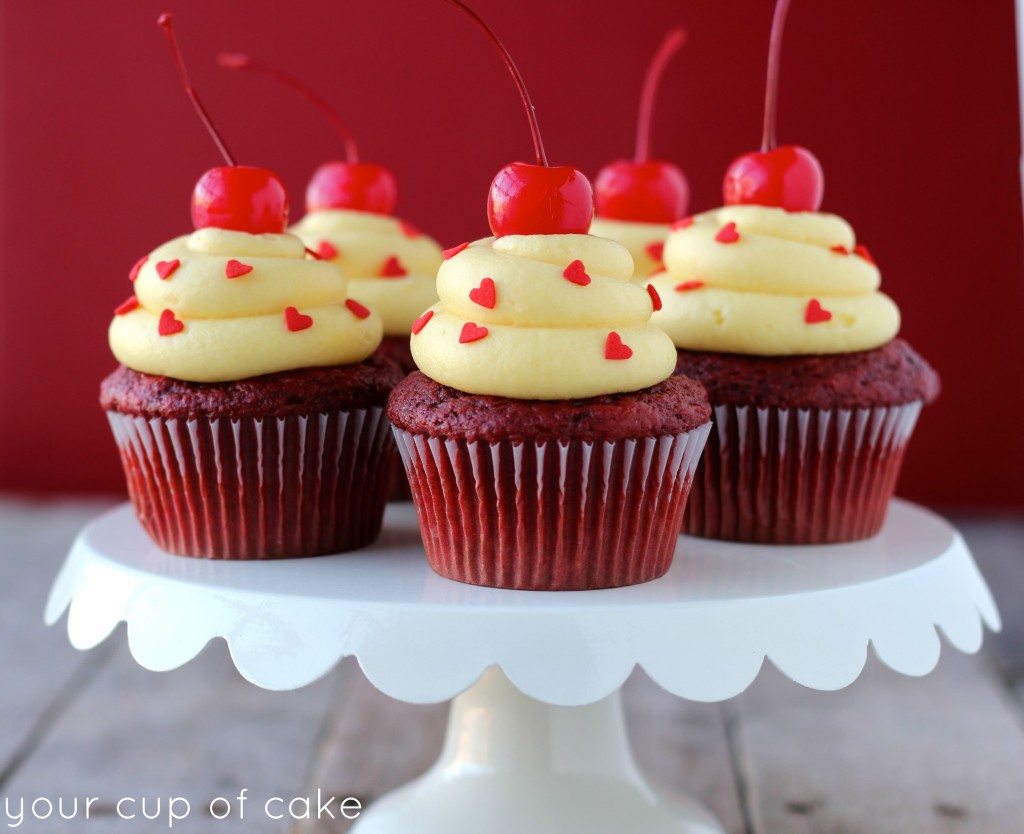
{"x":546,"y":444}
{"x":778,"y":314}
{"x":249,"y":418}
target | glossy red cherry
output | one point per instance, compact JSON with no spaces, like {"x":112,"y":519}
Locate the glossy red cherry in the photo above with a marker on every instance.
{"x":648,"y":192}
{"x":237,"y":197}
{"x":789,"y":177}
{"x":642,"y":189}
{"x":361,"y":186}
{"x":241,"y":198}
{"x":539,"y":200}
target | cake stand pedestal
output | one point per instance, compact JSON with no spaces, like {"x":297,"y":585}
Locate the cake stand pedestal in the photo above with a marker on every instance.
{"x":536,"y":740}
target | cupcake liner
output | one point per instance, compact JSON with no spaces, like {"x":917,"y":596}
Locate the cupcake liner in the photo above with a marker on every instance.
{"x":257,"y":488}
{"x":798,"y":476}
{"x":552,"y":515}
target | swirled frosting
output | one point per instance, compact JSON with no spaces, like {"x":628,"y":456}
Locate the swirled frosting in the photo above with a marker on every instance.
{"x":391,"y":266}
{"x":759,"y":280}
{"x":544,"y":317}
{"x":220,"y":305}
{"x":645,"y":241}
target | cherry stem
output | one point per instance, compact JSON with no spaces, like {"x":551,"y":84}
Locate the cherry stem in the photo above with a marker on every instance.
{"x":771,"y":104}
{"x":531,"y":111}
{"x":670,"y":45}
{"x":240,"y":61}
{"x":166,"y":22}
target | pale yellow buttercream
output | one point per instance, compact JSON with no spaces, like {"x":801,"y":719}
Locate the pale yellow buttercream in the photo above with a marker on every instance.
{"x":364,"y":241}
{"x":235,"y":328}
{"x":643,"y":240}
{"x":755,"y":292}
{"x":547,"y":337}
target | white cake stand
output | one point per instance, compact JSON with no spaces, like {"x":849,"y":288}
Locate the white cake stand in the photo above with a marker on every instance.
{"x":536,"y":740}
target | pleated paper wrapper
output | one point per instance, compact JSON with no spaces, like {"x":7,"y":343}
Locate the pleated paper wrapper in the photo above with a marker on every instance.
{"x":798,"y":476}
{"x":551,"y":516}
{"x":258,"y":488}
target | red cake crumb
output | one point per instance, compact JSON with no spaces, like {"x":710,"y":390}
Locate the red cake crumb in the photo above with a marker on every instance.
{"x":298,"y":392}
{"x":422,"y":406}
{"x":893,"y":374}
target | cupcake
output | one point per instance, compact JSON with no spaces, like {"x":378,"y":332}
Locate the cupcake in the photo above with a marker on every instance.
{"x":779,"y":314}
{"x":248,"y":409}
{"x":638,"y":200}
{"x":776,"y":308}
{"x":547,"y":444}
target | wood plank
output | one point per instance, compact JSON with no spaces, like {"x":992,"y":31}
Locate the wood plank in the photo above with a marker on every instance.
{"x":41,"y":672}
{"x":198,"y":732}
{"x":888,"y":755}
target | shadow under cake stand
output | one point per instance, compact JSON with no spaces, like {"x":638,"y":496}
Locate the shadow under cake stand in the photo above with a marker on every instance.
{"x":536,"y":740}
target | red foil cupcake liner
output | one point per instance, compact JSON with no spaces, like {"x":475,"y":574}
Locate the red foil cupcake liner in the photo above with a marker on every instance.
{"x":551,"y":516}
{"x":798,"y":476}
{"x":257,"y":488}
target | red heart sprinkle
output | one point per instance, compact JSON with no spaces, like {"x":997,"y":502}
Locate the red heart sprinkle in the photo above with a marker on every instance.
{"x":408,"y":229}
{"x":689,"y":285}
{"x":657,"y":271}
{"x":451,"y":253}
{"x":129,"y":304}
{"x":815,"y":314}
{"x":135,"y":269}
{"x":614,"y":349}
{"x":727,"y":234}
{"x":471,"y":333}
{"x":326,"y":251}
{"x":236,"y":269}
{"x":862,"y":250}
{"x":484,"y":295}
{"x":655,"y":298}
{"x":842,"y":250}
{"x":358,"y":309}
{"x":656,"y":250}
{"x":295,"y":320}
{"x":577,"y":273}
{"x":421,"y":322}
{"x":393,"y":268}
{"x":169,"y":325}
{"x":684,"y":223}
{"x":165,"y":269}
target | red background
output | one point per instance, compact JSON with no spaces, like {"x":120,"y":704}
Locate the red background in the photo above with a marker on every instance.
{"x":911,"y":108}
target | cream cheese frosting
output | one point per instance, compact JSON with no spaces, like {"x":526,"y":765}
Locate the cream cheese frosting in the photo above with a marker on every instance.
{"x":219,"y":305}
{"x":545,"y":317}
{"x":764,"y":281}
{"x":645,"y":241}
{"x":391,"y":266}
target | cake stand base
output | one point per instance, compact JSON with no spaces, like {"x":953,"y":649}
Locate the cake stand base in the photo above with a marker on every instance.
{"x":511,"y":764}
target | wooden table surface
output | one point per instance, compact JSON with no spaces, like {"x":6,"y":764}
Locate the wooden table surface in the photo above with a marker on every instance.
{"x":888,"y":755}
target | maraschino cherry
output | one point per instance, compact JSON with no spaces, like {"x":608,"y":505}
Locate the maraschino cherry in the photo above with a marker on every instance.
{"x":642,"y":189}
{"x":789,"y":177}
{"x":360,"y":186}
{"x":537,"y":199}
{"x":236,"y":197}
